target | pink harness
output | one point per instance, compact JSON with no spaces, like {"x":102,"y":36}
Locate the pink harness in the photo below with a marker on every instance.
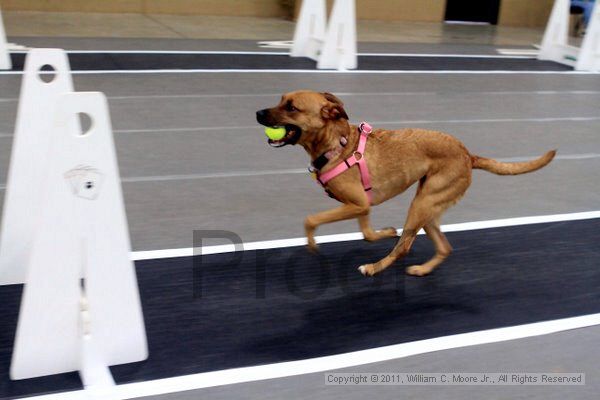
{"x":358,"y":157}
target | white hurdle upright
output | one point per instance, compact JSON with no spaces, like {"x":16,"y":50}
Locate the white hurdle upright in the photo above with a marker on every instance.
{"x":332,"y":46}
{"x":309,"y":34}
{"x":555,"y":44}
{"x":5,"y":62}
{"x":24,"y":199}
{"x":339,"y":49}
{"x":589,"y":57}
{"x":80,"y":308}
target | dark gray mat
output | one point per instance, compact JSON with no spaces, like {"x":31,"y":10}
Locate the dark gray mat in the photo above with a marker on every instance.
{"x":157,"y":61}
{"x":224,"y":311}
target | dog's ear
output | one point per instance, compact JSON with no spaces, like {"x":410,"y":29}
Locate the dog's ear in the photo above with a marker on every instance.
{"x":334,"y":109}
{"x":333,"y":98}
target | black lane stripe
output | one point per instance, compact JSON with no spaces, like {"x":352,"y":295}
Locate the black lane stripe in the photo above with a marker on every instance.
{"x":150,"y":61}
{"x":287,"y":304}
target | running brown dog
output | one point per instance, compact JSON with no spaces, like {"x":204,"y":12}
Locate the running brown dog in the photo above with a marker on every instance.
{"x":396,"y":159}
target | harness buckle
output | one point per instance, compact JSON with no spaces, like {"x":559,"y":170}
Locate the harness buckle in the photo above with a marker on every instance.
{"x":365,"y":128}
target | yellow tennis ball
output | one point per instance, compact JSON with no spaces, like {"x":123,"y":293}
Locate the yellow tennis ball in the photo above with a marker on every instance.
{"x":275,"y":133}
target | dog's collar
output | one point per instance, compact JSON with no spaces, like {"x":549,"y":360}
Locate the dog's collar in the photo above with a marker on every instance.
{"x":324,"y":158}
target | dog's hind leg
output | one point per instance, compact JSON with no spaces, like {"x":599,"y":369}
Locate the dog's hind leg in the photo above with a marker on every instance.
{"x":442,"y":250}
{"x":372,"y":235}
{"x":435,"y":195}
{"x":417,"y":218}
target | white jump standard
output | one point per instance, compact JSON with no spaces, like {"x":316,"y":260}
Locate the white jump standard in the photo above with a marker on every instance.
{"x":24,"y":198}
{"x":309,"y":34}
{"x":80,"y":308}
{"x":555,"y":45}
{"x":332,"y":46}
{"x":5,"y":62}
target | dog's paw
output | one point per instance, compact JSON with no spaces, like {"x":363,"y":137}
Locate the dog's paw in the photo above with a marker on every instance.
{"x":312,"y":247}
{"x":367,"y":270}
{"x":389,"y":231}
{"x":418,"y":270}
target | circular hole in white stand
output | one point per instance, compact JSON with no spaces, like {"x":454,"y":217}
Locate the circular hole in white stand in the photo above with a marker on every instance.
{"x":47,"y":73}
{"x":85,"y":121}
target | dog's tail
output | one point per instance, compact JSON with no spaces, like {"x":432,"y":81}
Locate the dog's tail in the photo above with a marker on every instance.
{"x":512,"y":168}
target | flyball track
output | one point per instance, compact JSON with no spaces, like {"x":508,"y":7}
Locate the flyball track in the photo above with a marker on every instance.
{"x":190,"y":61}
{"x":258,"y":307}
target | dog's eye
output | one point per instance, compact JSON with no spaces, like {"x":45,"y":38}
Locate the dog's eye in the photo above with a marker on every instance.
{"x":290,"y":107}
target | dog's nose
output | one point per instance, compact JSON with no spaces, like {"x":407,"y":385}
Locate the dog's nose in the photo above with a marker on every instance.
{"x":261,"y":116}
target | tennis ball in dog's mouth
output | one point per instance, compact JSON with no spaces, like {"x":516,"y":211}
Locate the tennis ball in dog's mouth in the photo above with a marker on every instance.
{"x":275,"y":133}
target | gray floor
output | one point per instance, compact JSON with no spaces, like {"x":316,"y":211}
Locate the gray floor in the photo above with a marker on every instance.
{"x":158,"y":44}
{"x":559,"y":353}
{"x":175,"y":133}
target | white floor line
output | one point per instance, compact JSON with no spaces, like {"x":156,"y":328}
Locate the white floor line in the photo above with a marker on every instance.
{"x":519,"y":52}
{"x":335,"y":362}
{"x":400,"y":122}
{"x":488,"y":120}
{"x":203,"y":52}
{"x":286,"y":53}
{"x":443,"y":55}
{"x":365,"y":94}
{"x":345,"y":94}
{"x":232,"y":174}
{"x":317,"y":71}
{"x":225,"y":129}
{"x":344,"y":237}
{"x":582,"y":156}
{"x":298,"y":171}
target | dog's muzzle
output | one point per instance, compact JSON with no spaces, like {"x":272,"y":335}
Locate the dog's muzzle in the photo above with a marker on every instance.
{"x":292,"y":134}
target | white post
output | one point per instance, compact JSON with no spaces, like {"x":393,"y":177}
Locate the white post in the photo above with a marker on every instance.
{"x":310,"y":29}
{"x":339,"y":49}
{"x":24,"y":198}
{"x":555,"y":44}
{"x":589,"y":55}
{"x":91,"y":323}
{"x":5,"y":62}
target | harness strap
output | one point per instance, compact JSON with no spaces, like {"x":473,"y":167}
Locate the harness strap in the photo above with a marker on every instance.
{"x":358,"y":157}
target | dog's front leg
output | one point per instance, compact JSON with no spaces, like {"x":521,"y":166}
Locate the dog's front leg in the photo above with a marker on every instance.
{"x":372,"y":235}
{"x":341,"y":213}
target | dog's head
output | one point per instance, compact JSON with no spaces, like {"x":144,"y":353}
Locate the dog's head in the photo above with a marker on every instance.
{"x":303,"y":114}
